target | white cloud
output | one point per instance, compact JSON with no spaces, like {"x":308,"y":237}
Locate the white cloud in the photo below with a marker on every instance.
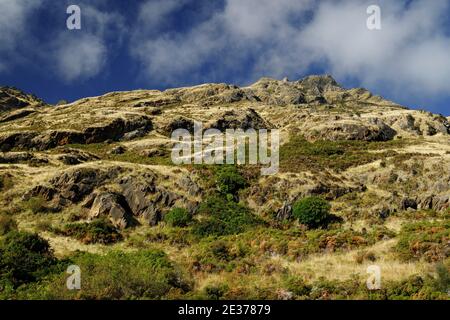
{"x":410,"y":51}
{"x":80,"y":58}
{"x":14,"y":17}
{"x":254,"y":38}
{"x":82,"y":54}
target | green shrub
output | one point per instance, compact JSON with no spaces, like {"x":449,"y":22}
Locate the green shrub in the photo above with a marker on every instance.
{"x":297,"y":286}
{"x":312,"y":211}
{"x":223,"y":217}
{"x":97,"y":231}
{"x":24,"y":257}
{"x":229,"y":180}
{"x":7,"y":224}
{"x":215,"y":291}
{"x":178,"y":217}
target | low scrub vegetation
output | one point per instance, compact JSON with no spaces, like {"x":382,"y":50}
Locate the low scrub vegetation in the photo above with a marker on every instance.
{"x":97,"y":231}
{"x":7,"y":224}
{"x":427,"y":240}
{"x":299,"y":154}
{"x":36,"y":205}
{"x":178,"y":217}
{"x":222,"y":216}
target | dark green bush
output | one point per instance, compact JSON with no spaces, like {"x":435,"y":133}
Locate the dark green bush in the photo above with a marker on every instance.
{"x":7,"y":224}
{"x":223,"y":217}
{"x":312,"y":211}
{"x":24,"y":257}
{"x":178,"y":217}
{"x":97,"y":231}
{"x":229,"y":180}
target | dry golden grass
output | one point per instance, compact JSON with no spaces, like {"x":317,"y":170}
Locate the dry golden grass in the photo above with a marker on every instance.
{"x":341,"y":266}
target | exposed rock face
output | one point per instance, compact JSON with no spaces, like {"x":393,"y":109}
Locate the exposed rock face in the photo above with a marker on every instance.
{"x":417,"y":124}
{"x":438,"y":203}
{"x":17,"y":114}
{"x":285,"y":212}
{"x":210,"y":94}
{"x":12,"y":99}
{"x":145,"y":198}
{"x":179,"y":123}
{"x":240,"y":119}
{"x":112,"y":205}
{"x":15,"y":157}
{"x":74,"y":157}
{"x":188,"y":184}
{"x":74,"y":185}
{"x":47,"y":193}
{"x":275,"y":92}
{"x":408,"y":203}
{"x":118,"y":150}
{"x":370,"y":130}
{"x":317,"y":85}
{"x":114,"y":130}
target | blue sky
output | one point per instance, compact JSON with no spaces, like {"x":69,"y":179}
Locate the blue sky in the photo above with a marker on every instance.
{"x":156,"y":44}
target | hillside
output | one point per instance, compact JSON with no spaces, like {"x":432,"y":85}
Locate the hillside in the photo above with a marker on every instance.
{"x":96,"y":176}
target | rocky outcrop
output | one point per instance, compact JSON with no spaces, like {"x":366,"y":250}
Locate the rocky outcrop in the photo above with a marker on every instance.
{"x":240,"y":119}
{"x":114,"y":130}
{"x":15,"y":157}
{"x":113,"y":206}
{"x":179,"y":123}
{"x":45,"y":192}
{"x":146,"y":198}
{"x":408,"y":203}
{"x":74,"y":157}
{"x":418,"y":123}
{"x":74,"y":185}
{"x":284,"y":213}
{"x":372,"y":129}
{"x":211,"y":94}
{"x":12,"y":99}
{"x":118,"y":150}
{"x":186,"y":183}
{"x":434,"y":202}
{"x":17,"y":114}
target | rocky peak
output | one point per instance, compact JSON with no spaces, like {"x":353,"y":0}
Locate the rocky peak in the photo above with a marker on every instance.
{"x":320,"y":83}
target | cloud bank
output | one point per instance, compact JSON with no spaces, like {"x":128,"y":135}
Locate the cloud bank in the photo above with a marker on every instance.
{"x":290,"y":37}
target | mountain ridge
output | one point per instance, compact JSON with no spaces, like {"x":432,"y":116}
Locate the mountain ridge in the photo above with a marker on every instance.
{"x":382,"y":169}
